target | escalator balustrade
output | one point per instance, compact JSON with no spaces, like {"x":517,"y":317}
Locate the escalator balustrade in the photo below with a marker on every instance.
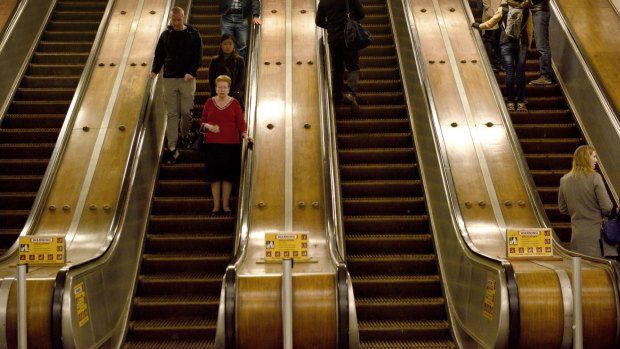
{"x":186,"y":250}
{"x":389,"y":242}
{"x":37,"y":112}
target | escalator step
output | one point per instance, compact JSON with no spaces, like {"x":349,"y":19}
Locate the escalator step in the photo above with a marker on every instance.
{"x":376,"y":140}
{"x":47,"y":94}
{"x":372,"y":125}
{"x":381,"y":224}
{"x":378,"y":172}
{"x":420,"y":331}
{"x":375,"y":112}
{"x":13,"y":219}
{"x":384,"y":206}
{"x":16,"y":200}
{"x":59,"y":58}
{"x":16,"y":183}
{"x":96,"y":5}
{"x":550,"y":145}
{"x":171,"y":329}
{"x":194,"y":305}
{"x":546,"y":161}
{"x":40,"y":107}
{"x":72,"y":26}
{"x":26,"y":150}
{"x":29,"y":135}
{"x":395,"y":264}
{"x":190,"y":283}
{"x":548,"y":116}
{"x":183,"y":188}
{"x":386,"y":188}
{"x":407,"y":344}
{"x":367,"y":286}
{"x":187,"y":243}
{"x":179,"y":263}
{"x":376,"y":156}
{"x":71,"y":36}
{"x":170,"y":345}
{"x":31,"y":81}
{"x":64,"y":46}
{"x":383,"y":244}
{"x":19,"y":167}
{"x":74,"y":15}
{"x":547,"y":130}
{"x":34,"y":120}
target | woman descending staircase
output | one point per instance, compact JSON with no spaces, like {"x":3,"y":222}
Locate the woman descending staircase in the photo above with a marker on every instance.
{"x":389,"y":243}
{"x":186,"y":249}
{"x":37,"y":112}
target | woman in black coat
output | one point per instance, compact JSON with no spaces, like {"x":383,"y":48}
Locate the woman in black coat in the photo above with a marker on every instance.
{"x":228,"y":62}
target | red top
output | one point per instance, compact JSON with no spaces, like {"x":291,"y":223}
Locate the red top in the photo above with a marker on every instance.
{"x":229,"y":119}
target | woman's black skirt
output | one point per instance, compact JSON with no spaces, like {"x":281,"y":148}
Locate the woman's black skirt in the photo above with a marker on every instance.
{"x":222,"y":162}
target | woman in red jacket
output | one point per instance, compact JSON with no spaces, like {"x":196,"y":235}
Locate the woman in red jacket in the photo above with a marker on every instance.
{"x":223,"y":121}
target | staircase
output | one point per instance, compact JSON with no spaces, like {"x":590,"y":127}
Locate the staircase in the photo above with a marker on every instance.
{"x":37,"y":112}
{"x":548,"y":134}
{"x":186,"y":250}
{"x":389,"y":243}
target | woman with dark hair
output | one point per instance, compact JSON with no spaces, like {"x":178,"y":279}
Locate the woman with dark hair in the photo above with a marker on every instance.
{"x":584,"y":198}
{"x":223,"y":121}
{"x":228,"y":62}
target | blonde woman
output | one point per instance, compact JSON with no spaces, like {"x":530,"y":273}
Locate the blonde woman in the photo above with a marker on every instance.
{"x":584,"y":198}
{"x":225,"y":126}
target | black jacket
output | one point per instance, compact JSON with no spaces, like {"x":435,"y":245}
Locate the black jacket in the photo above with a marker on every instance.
{"x":249,"y":7}
{"x":179,"y":56}
{"x":332,"y":15}
{"x":234,"y":68}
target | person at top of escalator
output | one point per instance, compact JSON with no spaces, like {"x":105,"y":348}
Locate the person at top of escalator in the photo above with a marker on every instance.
{"x":179,"y":52}
{"x":332,"y":15}
{"x":228,"y":62}
{"x":235,"y":20}
{"x":540,"y":17}
{"x":513,"y":45}
{"x":583,"y":197}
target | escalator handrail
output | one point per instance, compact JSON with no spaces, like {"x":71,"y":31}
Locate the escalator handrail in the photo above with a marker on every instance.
{"x":244,"y":206}
{"x":65,"y":133}
{"x":332,"y":193}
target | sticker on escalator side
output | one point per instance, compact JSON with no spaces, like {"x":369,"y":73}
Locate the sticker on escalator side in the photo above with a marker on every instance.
{"x":280,"y":246}
{"x":81,"y":307}
{"x":488,"y":306}
{"x":41,"y":250}
{"x":529,"y":243}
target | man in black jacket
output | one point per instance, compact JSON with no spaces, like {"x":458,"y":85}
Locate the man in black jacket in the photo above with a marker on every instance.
{"x":332,"y":15}
{"x":179,"y":51}
{"x":234,"y":21}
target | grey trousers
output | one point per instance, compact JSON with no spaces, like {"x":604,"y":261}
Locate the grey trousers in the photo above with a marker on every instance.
{"x":179,"y":99}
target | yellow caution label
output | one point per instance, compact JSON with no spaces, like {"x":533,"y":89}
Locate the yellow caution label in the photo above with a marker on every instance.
{"x":42,"y":250}
{"x":280,"y":246}
{"x":81,"y":306}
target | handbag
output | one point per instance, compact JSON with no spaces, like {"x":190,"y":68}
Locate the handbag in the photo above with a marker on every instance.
{"x":611,"y":229}
{"x":198,"y":140}
{"x":356,"y":37}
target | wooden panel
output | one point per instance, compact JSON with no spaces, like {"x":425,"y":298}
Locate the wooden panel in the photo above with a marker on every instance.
{"x":596,"y":25}
{"x":72,"y":170}
{"x":39,"y":314}
{"x":6,"y":9}
{"x":541,"y":309}
{"x":599,"y":310}
{"x":259,"y":303}
{"x":109,"y":174}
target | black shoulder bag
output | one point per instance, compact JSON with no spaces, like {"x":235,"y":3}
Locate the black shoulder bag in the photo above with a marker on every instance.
{"x":355,"y":36}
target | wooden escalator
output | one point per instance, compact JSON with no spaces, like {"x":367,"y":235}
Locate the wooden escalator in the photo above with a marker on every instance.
{"x":389,"y":243}
{"x":186,"y":249}
{"x":31,"y":126}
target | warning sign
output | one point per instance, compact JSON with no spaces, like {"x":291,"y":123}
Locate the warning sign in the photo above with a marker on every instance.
{"x":536,"y":242}
{"x":488,"y":307}
{"x":41,"y":250}
{"x":81,"y":307}
{"x":280,"y":246}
